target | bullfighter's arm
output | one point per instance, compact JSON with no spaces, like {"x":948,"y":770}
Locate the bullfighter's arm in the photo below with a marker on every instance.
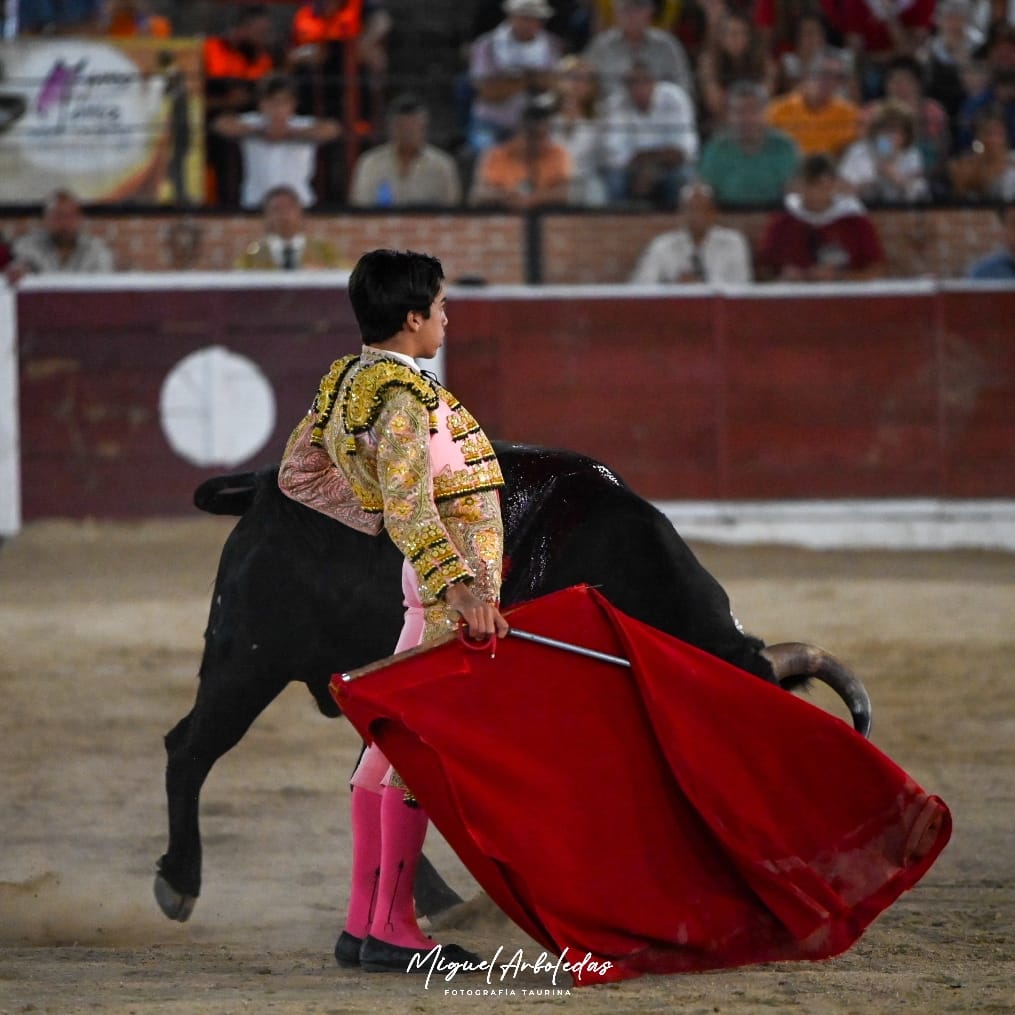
{"x":308,"y":475}
{"x":402,"y":431}
{"x":477,"y":530}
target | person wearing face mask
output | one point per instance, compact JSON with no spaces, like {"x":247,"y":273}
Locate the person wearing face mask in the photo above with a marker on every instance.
{"x":886,"y":167}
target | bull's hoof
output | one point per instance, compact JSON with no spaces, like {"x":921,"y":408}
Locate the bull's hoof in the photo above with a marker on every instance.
{"x":478,"y":910}
{"x":174,"y":904}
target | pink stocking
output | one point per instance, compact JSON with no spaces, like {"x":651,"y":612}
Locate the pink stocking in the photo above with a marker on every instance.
{"x":366,"y":860}
{"x":403,"y":829}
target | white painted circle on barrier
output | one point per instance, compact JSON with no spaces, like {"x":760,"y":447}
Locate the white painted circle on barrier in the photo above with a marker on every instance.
{"x":216,"y":407}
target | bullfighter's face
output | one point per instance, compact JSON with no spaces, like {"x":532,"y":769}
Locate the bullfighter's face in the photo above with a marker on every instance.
{"x":430,"y":334}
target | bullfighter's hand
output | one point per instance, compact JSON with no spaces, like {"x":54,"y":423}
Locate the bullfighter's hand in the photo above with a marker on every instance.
{"x":482,"y":618}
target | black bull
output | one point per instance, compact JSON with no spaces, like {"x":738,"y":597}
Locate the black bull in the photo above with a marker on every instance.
{"x":299,"y":596}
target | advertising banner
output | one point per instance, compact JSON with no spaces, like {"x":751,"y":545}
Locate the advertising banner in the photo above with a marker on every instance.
{"x":113,"y":120}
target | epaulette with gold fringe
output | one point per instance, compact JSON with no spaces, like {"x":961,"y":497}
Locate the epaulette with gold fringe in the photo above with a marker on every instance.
{"x":364,"y":395}
{"x":324,"y":403}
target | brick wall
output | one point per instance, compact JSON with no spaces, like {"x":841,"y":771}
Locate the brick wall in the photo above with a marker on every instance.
{"x":938,"y":243}
{"x":467,"y":244}
{"x":576,"y":248}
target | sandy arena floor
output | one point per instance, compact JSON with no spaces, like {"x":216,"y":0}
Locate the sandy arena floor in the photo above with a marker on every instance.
{"x":100,"y":638}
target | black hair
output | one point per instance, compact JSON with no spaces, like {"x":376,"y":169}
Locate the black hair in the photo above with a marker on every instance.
{"x":816,"y":167}
{"x":277,"y":191}
{"x":405,"y":104}
{"x":905,"y":63}
{"x":387,"y":285}
{"x":274,"y":84}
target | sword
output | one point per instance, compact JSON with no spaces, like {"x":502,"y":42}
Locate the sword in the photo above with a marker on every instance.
{"x":566,"y":646}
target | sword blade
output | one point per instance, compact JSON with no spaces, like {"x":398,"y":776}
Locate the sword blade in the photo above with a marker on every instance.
{"x":566,"y":646}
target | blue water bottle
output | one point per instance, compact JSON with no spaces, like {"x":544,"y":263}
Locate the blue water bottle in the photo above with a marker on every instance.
{"x":385,"y":195}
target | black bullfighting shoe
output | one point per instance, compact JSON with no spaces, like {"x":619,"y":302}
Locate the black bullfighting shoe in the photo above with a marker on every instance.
{"x":378,"y":956}
{"x":347,"y":950}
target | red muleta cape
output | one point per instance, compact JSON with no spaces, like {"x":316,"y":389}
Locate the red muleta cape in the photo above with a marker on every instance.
{"x":676,"y":816}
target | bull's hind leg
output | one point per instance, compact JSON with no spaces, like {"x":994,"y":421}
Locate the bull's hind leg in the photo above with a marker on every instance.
{"x":222,"y":714}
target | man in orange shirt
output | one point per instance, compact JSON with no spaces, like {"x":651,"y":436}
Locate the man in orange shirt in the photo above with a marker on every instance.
{"x":816,"y":115}
{"x":527,"y":170}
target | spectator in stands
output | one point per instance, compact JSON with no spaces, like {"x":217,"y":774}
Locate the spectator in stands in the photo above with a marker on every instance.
{"x":987,"y":172}
{"x":321,"y":32}
{"x":665,"y":14}
{"x":801,"y":27}
{"x":233,"y":65}
{"x":816,"y":115}
{"x":61,"y":244}
{"x":886,"y":167}
{"x":649,"y":139}
{"x":950,"y":55}
{"x":506,"y":66}
{"x":999,"y":95}
{"x":527,"y":170}
{"x":614,"y":50}
{"x":821,"y":235}
{"x":810,"y":41}
{"x":878,"y":31}
{"x":132,"y":19}
{"x":285,"y":244}
{"x":700,"y":252}
{"x":904,"y":86}
{"x":236,"y":61}
{"x":183,"y":245}
{"x":64,"y":17}
{"x":406,"y":171}
{"x":748,"y":163}
{"x":575,"y":126}
{"x":278,"y":147}
{"x":316,"y":26}
{"x":734,"y":53}
{"x":1000,"y":265}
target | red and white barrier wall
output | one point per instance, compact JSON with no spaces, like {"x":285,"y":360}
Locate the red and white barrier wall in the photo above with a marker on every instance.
{"x":135,"y":388}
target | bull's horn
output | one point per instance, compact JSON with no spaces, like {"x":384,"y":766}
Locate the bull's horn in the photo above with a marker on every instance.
{"x":794,"y":663}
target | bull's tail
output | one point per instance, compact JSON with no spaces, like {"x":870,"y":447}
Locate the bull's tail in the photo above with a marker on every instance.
{"x":226,"y":495}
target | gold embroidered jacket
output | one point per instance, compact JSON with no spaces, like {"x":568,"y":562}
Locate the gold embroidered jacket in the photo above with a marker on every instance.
{"x":410,"y":451}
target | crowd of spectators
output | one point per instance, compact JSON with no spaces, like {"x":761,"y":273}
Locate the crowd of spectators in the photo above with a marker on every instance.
{"x":818,"y":108}
{"x":907,"y":97}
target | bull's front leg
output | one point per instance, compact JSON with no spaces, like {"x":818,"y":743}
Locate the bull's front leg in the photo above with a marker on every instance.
{"x":178,"y":881}
{"x":222,"y":714}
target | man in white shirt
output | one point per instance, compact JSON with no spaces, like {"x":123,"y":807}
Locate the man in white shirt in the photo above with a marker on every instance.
{"x":61,"y":244}
{"x":406,"y":171}
{"x":279,"y":148}
{"x":506,"y":65}
{"x":700,"y":252}
{"x":633,"y":40}
{"x":649,"y":139}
